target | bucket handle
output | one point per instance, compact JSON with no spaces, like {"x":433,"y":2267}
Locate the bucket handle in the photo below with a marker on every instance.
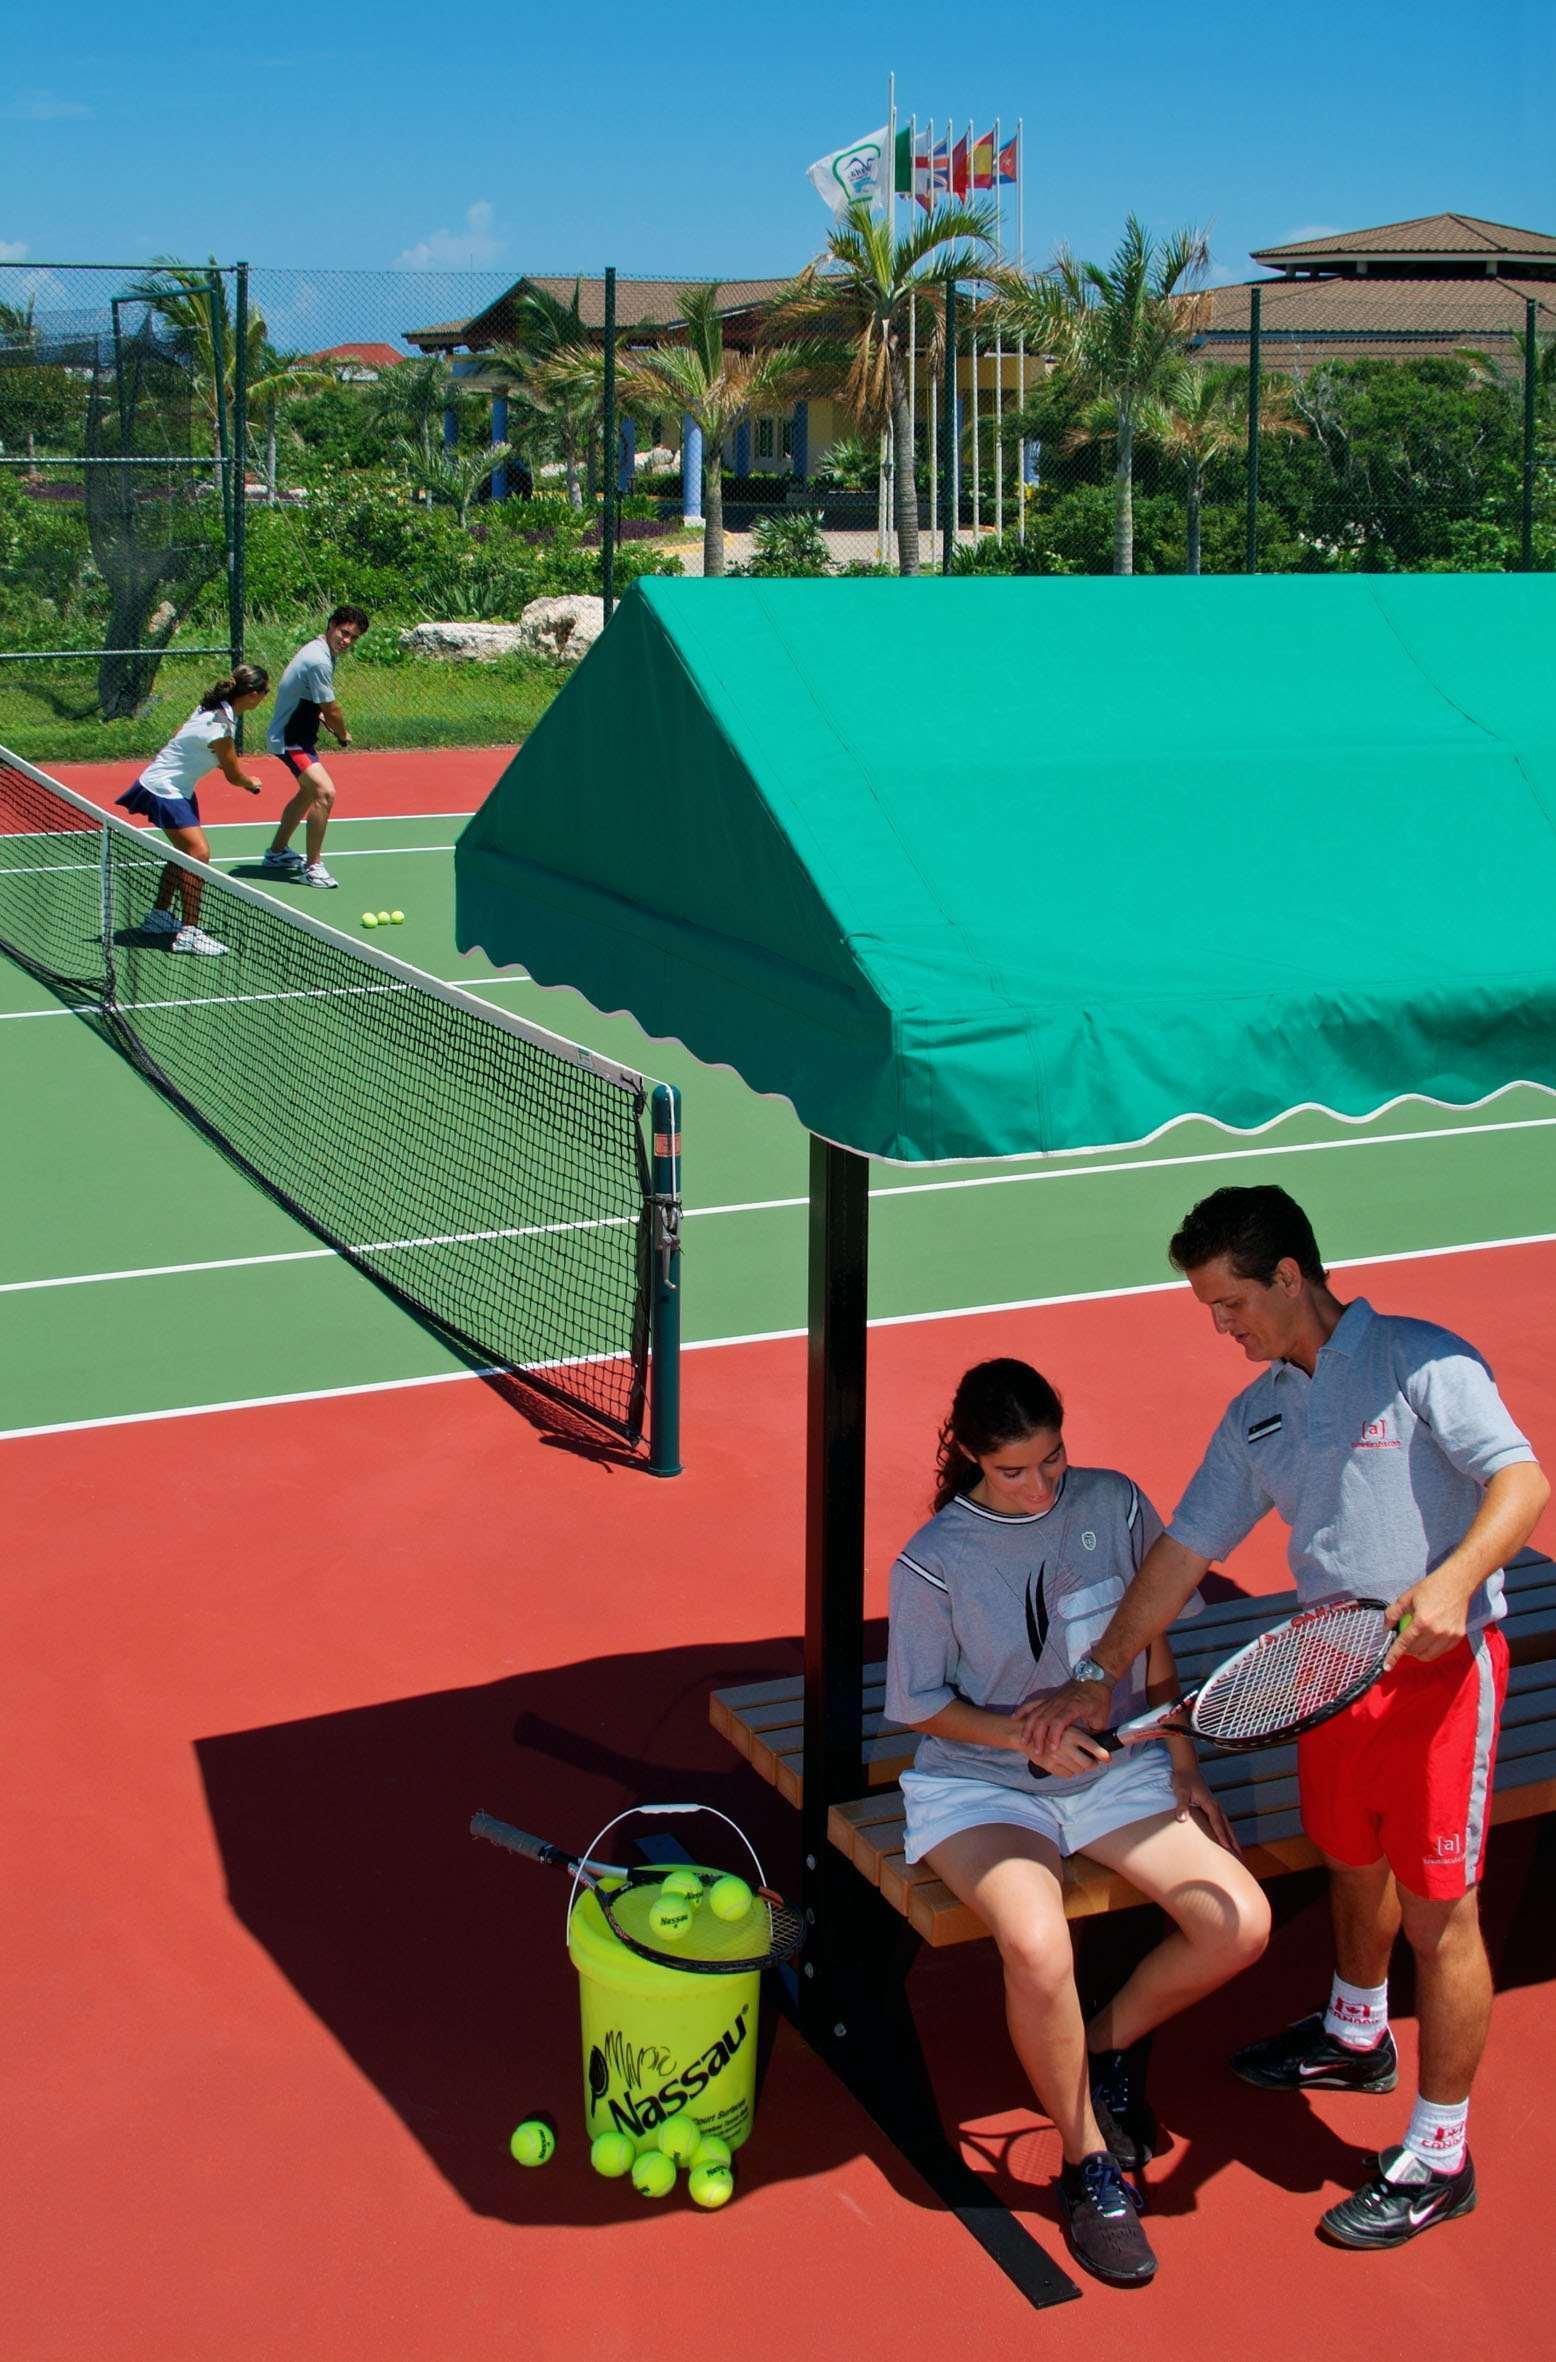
{"x":631,"y":1813}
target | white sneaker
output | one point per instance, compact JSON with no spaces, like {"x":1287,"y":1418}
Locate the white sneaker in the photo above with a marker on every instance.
{"x":160,"y":922}
{"x":196,"y":939}
{"x":316,"y":874}
{"x":286,"y":862}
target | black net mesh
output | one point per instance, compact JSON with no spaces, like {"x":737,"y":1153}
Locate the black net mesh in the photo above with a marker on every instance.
{"x":493,"y":1181}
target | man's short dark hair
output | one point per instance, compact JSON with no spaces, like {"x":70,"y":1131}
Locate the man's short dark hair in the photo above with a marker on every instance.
{"x":1254,"y":1229}
{"x":354,"y":615}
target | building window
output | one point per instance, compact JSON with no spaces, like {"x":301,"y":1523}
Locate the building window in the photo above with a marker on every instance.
{"x":786,"y":439}
{"x":764,"y":438}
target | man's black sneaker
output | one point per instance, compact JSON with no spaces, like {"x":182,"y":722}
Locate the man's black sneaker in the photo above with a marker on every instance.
{"x":1304,"y":2058}
{"x":1386,"y":2213}
{"x":1101,"y":2217}
{"x":1124,"y":2116}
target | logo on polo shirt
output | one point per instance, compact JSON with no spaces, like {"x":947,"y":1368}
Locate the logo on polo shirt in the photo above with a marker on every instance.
{"x":1089,"y":1539}
{"x":1375,"y":1437}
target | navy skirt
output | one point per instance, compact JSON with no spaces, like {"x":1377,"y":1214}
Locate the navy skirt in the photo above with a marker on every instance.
{"x":162,"y":811}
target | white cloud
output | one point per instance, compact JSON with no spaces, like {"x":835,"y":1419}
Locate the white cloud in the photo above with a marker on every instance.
{"x":13,"y":249}
{"x":467,"y":249}
{"x":44,"y":106}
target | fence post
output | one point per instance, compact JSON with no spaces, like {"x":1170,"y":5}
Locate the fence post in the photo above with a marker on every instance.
{"x":1253,"y":430}
{"x":237,"y":592}
{"x":612,"y":457}
{"x":948,"y":453}
{"x":1531,"y":362}
{"x":217,"y":301}
{"x":664,"y":1408}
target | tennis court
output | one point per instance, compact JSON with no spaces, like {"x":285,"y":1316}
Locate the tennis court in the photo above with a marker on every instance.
{"x":293,"y":1593}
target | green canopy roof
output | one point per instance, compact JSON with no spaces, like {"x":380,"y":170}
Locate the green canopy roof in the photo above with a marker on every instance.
{"x":977,"y":867}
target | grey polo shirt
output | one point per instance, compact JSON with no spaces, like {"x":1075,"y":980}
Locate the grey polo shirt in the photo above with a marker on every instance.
{"x":1377,"y":1462}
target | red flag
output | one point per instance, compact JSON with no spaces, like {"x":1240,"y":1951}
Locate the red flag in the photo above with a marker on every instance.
{"x":983,"y":162}
{"x":1009,"y":162}
{"x":959,"y":167}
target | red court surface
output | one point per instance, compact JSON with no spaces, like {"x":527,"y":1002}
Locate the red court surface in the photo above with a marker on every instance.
{"x":399,"y":784}
{"x":270,"y":2013}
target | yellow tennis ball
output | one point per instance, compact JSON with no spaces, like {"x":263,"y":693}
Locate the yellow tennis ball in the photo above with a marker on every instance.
{"x":711,"y":2185}
{"x":684,"y":1882}
{"x":397,"y":918}
{"x":653,"y":2175}
{"x":383,"y":918}
{"x":533,"y":2142}
{"x":679,"y":2138}
{"x":612,"y":2154}
{"x":670,"y":1918}
{"x":710,"y":2150}
{"x":370,"y":918}
{"x":729,"y":1899}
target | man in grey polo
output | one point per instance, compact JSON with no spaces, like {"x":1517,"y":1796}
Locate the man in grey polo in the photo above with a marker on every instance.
{"x":1385,"y":1446}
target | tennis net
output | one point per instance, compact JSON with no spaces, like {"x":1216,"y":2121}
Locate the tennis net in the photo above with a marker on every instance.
{"x":489,"y":1175}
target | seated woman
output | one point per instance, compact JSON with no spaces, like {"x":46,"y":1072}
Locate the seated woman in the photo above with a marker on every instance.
{"x":1000,"y":1595}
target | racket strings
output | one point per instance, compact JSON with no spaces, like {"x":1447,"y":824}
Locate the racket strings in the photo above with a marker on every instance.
{"x":1298,"y":1671}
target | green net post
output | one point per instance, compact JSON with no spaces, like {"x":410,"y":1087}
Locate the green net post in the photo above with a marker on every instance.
{"x":216,"y":298}
{"x":612,"y":457}
{"x":236,"y":588}
{"x":948,"y":452}
{"x":1253,"y":430}
{"x":664,"y":1429}
{"x":1531,"y":367}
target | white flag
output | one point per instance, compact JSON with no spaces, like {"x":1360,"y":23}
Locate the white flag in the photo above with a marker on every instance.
{"x":858,"y":170}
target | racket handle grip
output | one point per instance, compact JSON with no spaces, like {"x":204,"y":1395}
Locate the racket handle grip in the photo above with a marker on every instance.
{"x":1107,"y":1739}
{"x":519,"y":1841}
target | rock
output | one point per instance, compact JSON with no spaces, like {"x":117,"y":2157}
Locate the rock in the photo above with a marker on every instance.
{"x":566,"y":627}
{"x":464,"y":643}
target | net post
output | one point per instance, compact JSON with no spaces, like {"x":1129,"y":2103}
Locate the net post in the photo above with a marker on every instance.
{"x":105,"y":907}
{"x":611,"y":456}
{"x":664,"y":1433}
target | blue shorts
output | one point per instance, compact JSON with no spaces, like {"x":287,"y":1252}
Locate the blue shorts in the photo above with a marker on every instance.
{"x":162,"y":811}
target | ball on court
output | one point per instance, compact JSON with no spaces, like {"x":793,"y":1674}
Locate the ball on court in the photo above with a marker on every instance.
{"x":653,"y":2175}
{"x":679,"y":2139}
{"x":711,"y":2185}
{"x":612,"y":2154}
{"x":397,"y":918}
{"x":533,"y":2142}
{"x":383,"y":918}
{"x":729,"y":1899}
{"x":710,"y":2150}
{"x":684,"y":1882}
{"x":670,"y":1918}
{"x":370,"y":918}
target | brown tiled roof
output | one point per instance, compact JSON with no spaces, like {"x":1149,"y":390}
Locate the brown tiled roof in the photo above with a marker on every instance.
{"x":436,"y":337}
{"x":1388,"y":317}
{"x":640,"y":303}
{"x":371,"y":356}
{"x":1431,"y":234}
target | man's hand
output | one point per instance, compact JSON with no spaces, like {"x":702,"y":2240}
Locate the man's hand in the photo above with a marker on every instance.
{"x":1073,"y":1752}
{"x":1438,"y":1609}
{"x":1194,"y":1801}
{"x":254,"y":787}
{"x":1043,"y":1720}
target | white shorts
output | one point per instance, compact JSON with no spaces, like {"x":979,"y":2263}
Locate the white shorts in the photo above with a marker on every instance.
{"x":1137,"y":1786}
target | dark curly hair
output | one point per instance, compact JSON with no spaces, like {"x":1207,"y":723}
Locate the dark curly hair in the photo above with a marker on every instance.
{"x":1254,"y":1229}
{"x":997,"y":1403}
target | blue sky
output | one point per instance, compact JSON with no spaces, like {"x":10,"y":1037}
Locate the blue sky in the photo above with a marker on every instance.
{"x":567,"y":139}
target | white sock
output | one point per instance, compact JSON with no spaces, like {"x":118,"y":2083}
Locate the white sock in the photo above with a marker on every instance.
{"x":1358,"y":2015}
{"x":1434,"y":2139}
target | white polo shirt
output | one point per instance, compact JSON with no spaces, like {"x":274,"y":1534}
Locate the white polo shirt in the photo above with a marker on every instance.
{"x":1377,"y":1462}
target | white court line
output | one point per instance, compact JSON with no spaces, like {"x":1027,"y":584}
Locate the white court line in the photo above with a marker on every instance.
{"x":71,"y":869}
{"x":893,"y":1320}
{"x":235,"y":1000}
{"x":771,"y":1205}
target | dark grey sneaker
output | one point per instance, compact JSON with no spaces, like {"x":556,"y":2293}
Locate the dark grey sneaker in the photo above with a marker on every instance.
{"x":1304,"y":2058}
{"x":1101,"y":2218}
{"x":1124,"y":2115}
{"x":1385,"y":2213}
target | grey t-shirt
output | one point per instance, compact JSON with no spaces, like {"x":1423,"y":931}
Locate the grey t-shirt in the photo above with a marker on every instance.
{"x":1377,"y":1462}
{"x":991,"y":1609}
{"x":307,"y":684}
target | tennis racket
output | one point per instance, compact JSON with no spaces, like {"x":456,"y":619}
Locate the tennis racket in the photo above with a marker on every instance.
{"x":709,"y":1946}
{"x":1293,"y":1677}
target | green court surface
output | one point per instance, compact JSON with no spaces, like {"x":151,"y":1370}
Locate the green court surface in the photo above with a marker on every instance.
{"x":140,"y":1273}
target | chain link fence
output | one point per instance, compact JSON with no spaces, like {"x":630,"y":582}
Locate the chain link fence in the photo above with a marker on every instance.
{"x":485,"y":463}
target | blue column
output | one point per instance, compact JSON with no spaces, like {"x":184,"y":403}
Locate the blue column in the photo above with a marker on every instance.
{"x":450,"y":428}
{"x":743,"y":448}
{"x":691,"y":471}
{"x":799,"y":454}
{"x":500,"y":435}
{"x":627,"y":456}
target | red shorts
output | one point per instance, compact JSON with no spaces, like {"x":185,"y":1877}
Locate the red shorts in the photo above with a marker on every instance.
{"x":299,"y":759}
{"x":1405,"y":1773}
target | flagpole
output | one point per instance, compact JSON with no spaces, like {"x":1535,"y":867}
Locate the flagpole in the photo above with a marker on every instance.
{"x":1021,"y":342}
{"x":934,"y":419}
{"x":999,"y":347}
{"x":972,"y":186}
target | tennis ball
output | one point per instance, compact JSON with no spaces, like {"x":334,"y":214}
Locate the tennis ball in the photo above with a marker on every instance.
{"x":383,"y":918}
{"x":679,"y":2138}
{"x":710,"y":2150}
{"x":612,"y":2154}
{"x":397,"y":918}
{"x":533,"y":2142}
{"x":684,"y":1882}
{"x":711,"y":2185}
{"x":670,"y":1918}
{"x":370,"y":918}
{"x":729,"y":1899}
{"x":653,"y":2175}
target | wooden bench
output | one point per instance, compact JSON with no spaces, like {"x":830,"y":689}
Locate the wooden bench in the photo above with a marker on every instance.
{"x":1258,"y":1793}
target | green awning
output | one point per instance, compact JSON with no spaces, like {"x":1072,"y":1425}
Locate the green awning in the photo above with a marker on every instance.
{"x":976,"y":868}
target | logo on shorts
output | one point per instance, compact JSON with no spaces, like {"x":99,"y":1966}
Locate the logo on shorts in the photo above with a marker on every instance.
{"x":1447,"y":1849}
{"x":1089,"y":1540}
{"x":1375,"y":1437}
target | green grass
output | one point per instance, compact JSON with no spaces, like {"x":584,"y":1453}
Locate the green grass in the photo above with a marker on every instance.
{"x":50,"y":715}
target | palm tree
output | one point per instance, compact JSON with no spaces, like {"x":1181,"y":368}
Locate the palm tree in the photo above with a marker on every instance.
{"x":554,"y":373}
{"x":718,"y":390}
{"x":451,"y":479}
{"x":1119,"y":332}
{"x":411,"y":398}
{"x":863,"y":290}
{"x":1202,"y":416}
{"x":194,"y":302}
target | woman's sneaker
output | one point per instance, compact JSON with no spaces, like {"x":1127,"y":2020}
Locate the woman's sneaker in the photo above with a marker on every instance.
{"x":160,"y":922}
{"x":1101,"y":2217}
{"x":315,"y":874}
{"x":1403,"y":2199}
{"x":195,"y":939}
{"x":1124,"y":2116}
{"x":1304,"y":2058}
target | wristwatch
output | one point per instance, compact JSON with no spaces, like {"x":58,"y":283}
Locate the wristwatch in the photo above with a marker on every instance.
{"x":1087,"y":1669}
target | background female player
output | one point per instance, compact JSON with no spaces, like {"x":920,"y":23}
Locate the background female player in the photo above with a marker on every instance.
{"x":165,"y":794}
{"x":1000,"y":1594}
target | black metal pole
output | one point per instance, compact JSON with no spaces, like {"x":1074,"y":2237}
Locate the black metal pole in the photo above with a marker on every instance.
{"x":948,"y":450}
{"x":612,"y":455}
{"x":1253,"y":429}
{"x":1531,"y":361}
{"x":216,"y":300}
{"x":237,"y":588}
